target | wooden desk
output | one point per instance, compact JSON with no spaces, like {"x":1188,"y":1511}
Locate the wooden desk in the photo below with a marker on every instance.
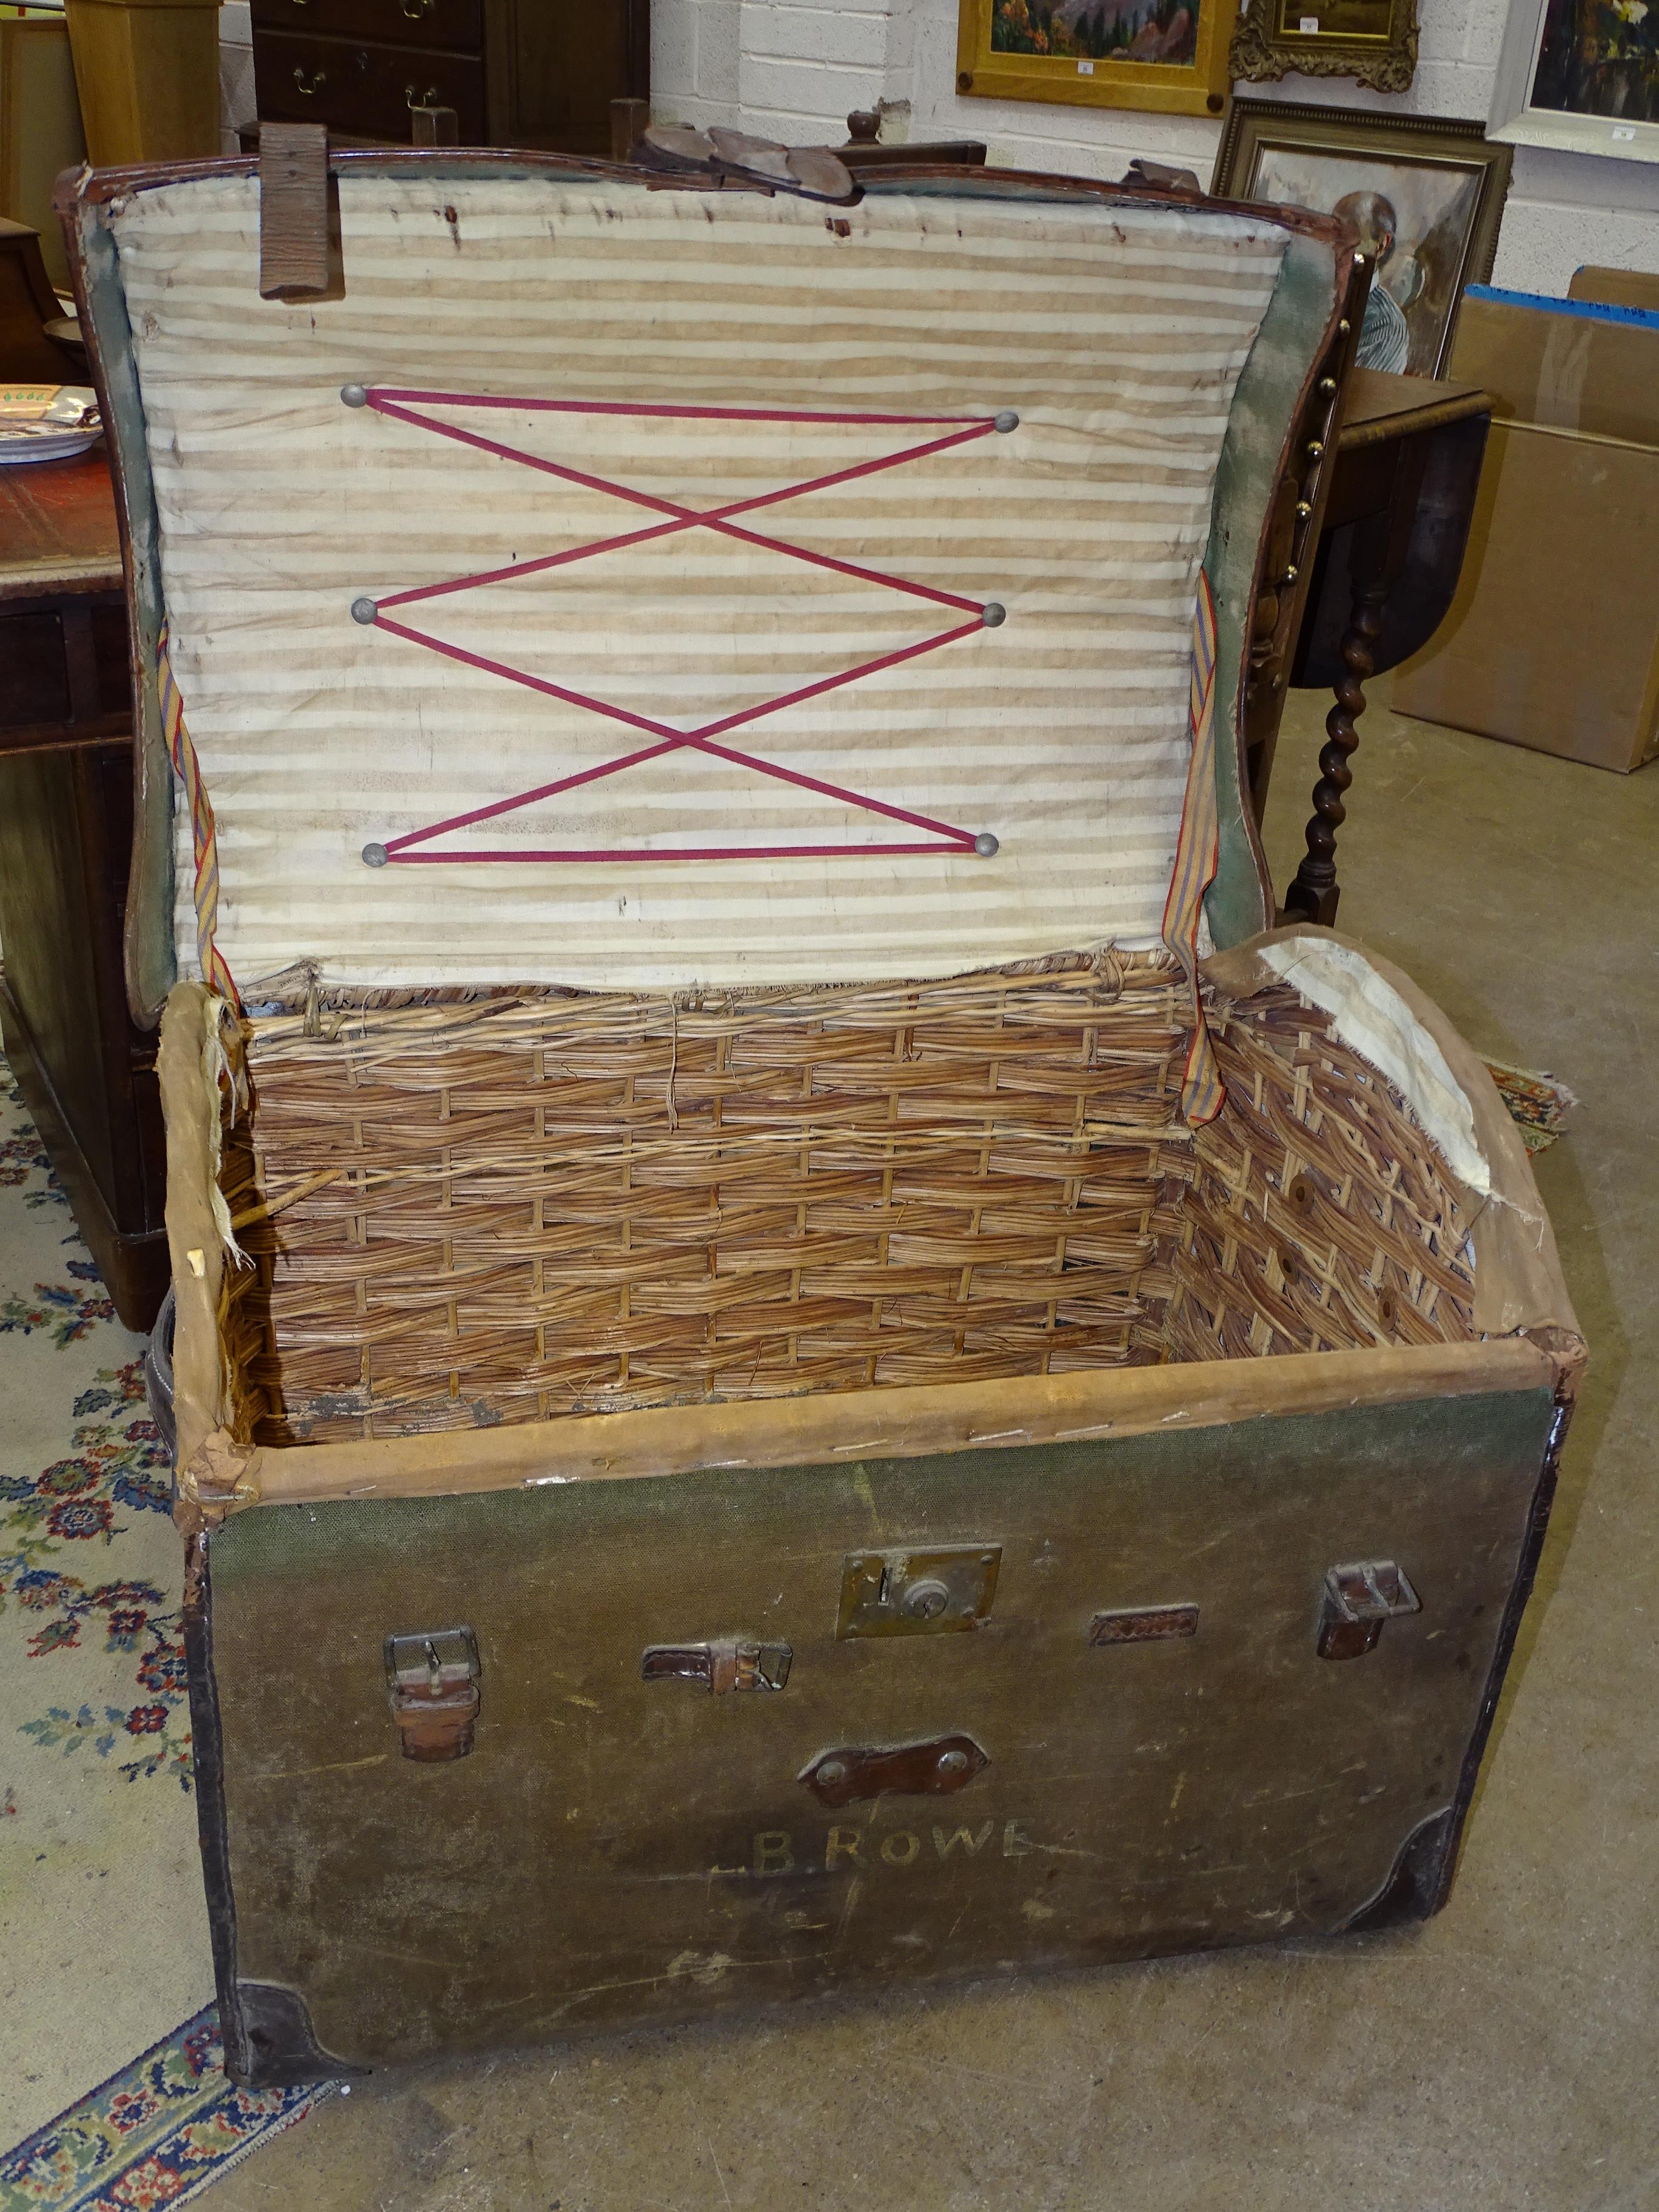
{"x":88,"y":1075}
{"x":1391,"y":547}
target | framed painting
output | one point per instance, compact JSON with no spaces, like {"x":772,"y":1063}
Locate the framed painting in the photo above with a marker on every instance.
{"x":1426,"y":194}
{"x":1165,"y":54}
{"x":1373,"y":41}
{"x":1580,"y":74}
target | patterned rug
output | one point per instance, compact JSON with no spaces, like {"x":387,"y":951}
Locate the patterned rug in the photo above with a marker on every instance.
{"x":1540,"y":1106}
{"x":157,"y":2133}
{"x":103,"y":1931}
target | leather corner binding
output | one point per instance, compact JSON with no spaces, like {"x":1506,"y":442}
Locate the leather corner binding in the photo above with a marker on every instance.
{"x":269,"y":2042}
{"x":276,"y":2047}
{"x":1421,"y":1880}
{"x":207,"y":1756}
{"x":1417,"y":1885}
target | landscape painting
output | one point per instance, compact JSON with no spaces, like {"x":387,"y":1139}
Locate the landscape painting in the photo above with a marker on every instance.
{"x":1098,"y":30}
{"x":1166,"y":55}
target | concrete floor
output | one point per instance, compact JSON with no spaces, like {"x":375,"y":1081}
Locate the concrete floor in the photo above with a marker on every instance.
{"x":1504,"y":2056}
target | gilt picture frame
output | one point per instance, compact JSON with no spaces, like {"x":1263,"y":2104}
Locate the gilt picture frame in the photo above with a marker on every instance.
{"x":1372,"y":41}
{"x":1170,"y":55}
{"x":1581,"y":76}
{"x":1425,"y":192}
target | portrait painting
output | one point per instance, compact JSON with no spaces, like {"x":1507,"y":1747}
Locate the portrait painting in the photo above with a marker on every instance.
{"x":1413,"y":218}
{"x":1425,"y":212}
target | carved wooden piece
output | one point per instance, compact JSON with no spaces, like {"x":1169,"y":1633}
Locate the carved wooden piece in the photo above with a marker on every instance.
{"x":293,"y":211}
{"x":1291,"y":538}
{"x":1378,"y":558}
{"x":1454,"y":433}
{"x":864,"y":150}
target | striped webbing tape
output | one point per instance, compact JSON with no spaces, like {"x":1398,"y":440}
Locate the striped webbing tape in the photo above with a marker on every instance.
{"x":203,"y":836}
{"x":1197,"y":853}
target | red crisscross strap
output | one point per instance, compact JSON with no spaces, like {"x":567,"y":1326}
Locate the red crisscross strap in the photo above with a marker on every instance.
{"x":406,"y":406}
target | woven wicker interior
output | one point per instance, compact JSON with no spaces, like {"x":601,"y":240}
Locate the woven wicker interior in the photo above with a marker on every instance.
{"x":516,"y":1206}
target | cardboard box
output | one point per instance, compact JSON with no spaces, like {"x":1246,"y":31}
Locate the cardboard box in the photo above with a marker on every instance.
{"x":1616,"y":287}
{"x":1574,"y":363}
{"x":1553,"y":641}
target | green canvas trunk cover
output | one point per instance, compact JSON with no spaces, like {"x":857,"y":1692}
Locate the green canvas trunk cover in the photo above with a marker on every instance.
{"x":614,"y":1847}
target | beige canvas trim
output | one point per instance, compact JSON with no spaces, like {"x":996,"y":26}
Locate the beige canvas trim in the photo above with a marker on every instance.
{"x":897,"y":1424}
{"x":201,"y":1245}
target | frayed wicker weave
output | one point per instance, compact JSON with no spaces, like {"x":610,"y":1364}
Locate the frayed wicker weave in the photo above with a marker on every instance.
{"x":512,"y":1205}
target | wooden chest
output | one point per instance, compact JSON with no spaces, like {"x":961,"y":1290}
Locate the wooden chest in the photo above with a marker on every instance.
{"x":807,"y":1355}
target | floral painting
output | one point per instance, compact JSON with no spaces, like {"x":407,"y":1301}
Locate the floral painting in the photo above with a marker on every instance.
{"x":1600,"y":58}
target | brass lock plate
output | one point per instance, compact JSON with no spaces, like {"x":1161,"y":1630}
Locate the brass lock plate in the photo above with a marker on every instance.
{"x":918,"y":1593}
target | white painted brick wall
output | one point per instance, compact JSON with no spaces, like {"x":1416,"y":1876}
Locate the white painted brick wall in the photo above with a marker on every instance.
{"x":793,"y":68}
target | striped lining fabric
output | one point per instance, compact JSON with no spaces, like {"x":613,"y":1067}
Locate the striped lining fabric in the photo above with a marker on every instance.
{"x":1116,"y":334}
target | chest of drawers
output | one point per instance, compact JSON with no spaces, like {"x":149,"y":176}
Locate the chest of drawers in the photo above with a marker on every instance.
{"x":537,"y":73}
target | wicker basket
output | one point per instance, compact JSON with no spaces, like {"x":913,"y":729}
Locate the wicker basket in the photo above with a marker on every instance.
{"x":517,"y":1206}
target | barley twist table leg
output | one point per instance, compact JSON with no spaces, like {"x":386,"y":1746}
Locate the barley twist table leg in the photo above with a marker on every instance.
{"x":1315,"y":893}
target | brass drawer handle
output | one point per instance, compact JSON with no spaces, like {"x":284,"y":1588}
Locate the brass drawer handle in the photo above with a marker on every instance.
{"x":427,"y":99}
{"x":413,"y":9}
{"x":314,"y":87}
